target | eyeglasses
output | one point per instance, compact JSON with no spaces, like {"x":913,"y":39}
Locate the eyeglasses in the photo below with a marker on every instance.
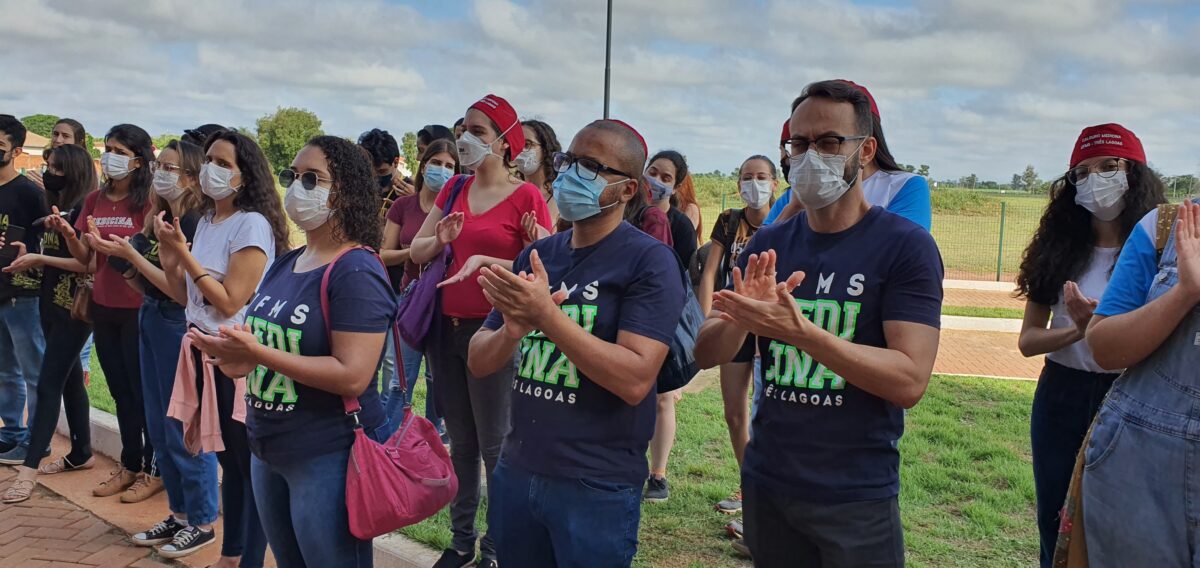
{"x":308,"y":180}
{"x":1106,"y":169}
{"x":169,"y":168}
{"x":587,"y":168}
{"x":826,"y":145}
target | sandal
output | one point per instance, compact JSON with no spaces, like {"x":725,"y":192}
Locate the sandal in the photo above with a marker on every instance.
{"x":19,"y":491}
{"x":61,"y":465}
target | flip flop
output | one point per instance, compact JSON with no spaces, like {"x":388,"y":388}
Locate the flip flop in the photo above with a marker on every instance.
{"x":19,"y":491}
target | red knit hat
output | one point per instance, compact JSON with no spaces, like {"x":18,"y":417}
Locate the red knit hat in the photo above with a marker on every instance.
{"x":505,"y":118}
{"x":787,"y":132}
{"x":645,"y":149}
{"x":874,"y":107}
{"x":1107,"y":140}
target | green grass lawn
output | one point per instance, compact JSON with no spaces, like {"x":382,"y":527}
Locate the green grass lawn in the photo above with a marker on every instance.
{"x":967,"y":496}
{"x":981,"y":312}
{"x":967,"y":484}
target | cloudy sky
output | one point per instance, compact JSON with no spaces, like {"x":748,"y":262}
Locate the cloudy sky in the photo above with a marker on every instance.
{"x":966,"y":86}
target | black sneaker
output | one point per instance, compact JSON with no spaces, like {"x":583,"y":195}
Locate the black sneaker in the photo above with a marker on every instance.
{"x":657,"y":490}
{"x":158,"y":534}
{"x":187,"y":541}
{"x":454,"y":559}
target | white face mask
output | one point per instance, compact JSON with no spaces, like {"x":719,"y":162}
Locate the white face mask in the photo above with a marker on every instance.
{"x":473,"y":151}
{"x":756,"y":192}
{"x":1103,"y":197}
{"x":214,"y":181}
{"x":114,"y":166}
{"x":166,"y":185}
{"x":528,"y":161}
{"x":819,"y":181}
{"x":309,"y":209}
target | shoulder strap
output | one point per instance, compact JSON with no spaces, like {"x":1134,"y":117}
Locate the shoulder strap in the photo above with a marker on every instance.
{"x":1167,"y":212}
{"x":457,"y":188}
{"x":351,"y":404}
{"x":735,"y":221}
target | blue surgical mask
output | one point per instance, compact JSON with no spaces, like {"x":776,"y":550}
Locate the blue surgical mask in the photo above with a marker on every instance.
{"x":658,"y":190}
{"x":436,"y":177}
{"x":578,"y":198}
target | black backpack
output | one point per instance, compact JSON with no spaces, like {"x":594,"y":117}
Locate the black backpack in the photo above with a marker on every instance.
{"x":724,"y":268}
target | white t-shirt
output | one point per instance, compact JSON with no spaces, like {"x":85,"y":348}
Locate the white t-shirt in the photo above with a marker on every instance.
{"x":212,"y":246}
{"x":1092,"y":283}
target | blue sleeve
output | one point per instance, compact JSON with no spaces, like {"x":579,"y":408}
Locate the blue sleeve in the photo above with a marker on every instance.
{"x":1132,"y":276}
{"x":913,"y":292}
{"x":912,"y":202}
{"x":360,"y":295}
{"x":778,"y":207}
{"x":495,"y":319}
{"x":653,"y":303}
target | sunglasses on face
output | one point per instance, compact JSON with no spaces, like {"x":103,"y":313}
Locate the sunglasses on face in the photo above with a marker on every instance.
{"x":308,"y":180}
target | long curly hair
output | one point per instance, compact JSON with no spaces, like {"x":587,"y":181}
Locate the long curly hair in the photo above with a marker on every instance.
{"x":138,"y":142}
{"x":380,"y":145}
{"x":550,"y":146}
{"x":356,"y":198}
{"x":1063,"y":243}
{"x":257,"y":193}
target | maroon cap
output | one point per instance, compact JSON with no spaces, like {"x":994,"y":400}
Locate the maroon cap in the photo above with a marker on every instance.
{"x":874,"y":107}
{"x":1107,"y":140}
{"x":787,"y":132}
{"x":645,"y":149}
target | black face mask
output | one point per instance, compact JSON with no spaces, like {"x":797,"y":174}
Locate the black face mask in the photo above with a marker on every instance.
{"x":54,"y":183}
{"x":385,"y":182}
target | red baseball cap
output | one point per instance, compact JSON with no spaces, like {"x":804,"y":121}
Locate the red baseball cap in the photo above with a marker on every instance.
{"x":645,"y":149}
{"x":787,"y":132}
{"x":1107,"y":140}
{"x":874,"y":107}
{"x":505,"y":117}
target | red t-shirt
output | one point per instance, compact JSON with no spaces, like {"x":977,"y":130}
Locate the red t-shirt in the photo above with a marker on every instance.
{"x":112,"y":218}
{"x":407,"y":213}
{"x":496,"y":232}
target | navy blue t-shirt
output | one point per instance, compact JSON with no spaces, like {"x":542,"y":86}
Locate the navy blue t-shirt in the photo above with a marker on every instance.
{"x":816,"y":436}
{"x":563,"y":424}
{"x":286,"y":419}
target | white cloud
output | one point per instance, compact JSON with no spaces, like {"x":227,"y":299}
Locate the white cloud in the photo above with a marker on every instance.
{"x":965,"y":86}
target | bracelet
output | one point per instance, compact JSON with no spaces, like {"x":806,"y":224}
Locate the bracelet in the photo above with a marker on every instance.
{"x":197,"y":279}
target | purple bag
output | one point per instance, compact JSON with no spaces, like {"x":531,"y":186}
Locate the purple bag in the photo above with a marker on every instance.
{"x":418,"y":306}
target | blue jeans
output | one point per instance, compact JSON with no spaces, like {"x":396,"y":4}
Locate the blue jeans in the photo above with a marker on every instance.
{"x":395,"y":404}
{"x":21,"y":348}
{"x":303,"y":510}
{"x":85,"y":354}
{"x":191,"y":481}
{"x":540,"y":520}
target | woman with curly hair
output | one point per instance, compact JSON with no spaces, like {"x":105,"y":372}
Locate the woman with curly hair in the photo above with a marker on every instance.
{"x":299,"y":373}
{"x":1093,"y":210}
{"x":536,"y":162}
{"x":241,"y":229}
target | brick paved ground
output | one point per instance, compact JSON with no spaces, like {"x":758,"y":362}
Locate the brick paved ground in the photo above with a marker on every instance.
{"x":48,"y":530}
{"x":984,"y":353}
{"x":982,"y":299}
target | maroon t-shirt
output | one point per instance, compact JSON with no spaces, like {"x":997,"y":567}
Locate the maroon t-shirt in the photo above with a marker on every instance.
{"x":407,"y":213}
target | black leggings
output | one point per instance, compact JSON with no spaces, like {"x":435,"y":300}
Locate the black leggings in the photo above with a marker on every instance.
{"x":61,"y":379}
{"x":116,"y":333}
{"x":244,"y":534}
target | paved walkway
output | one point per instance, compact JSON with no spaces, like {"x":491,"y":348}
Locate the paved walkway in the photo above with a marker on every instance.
{"x":984,"y":353}
{"x":48,"y":530}
{"x":982,"y":299}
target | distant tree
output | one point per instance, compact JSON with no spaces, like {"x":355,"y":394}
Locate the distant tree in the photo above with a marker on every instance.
{"x":923,"y":171}
{"x":40,"y":124}
{"x":908,"y":168}
{"x":1029,"y":179}
{"x":282,"y":134}
{"x":989,"y":185}
{"x":408,"y":147}
{"x":163,"y":139}
{"x":969,"y":181}
{"x":1016,"y":182}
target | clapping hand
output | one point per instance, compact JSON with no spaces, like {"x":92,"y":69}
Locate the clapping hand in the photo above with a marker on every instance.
{"x":1187,"y":249}
{"x":23,"y":261}
{"x":533,"y":231}
{"x":1079,"y":307}
{"x":762,"y":306}
{"x":449,"y":228}
{"x":523,"y":299}
{"x":231,"y":349}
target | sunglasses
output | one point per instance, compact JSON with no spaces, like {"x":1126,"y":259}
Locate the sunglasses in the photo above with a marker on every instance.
{"x":308,"y":180}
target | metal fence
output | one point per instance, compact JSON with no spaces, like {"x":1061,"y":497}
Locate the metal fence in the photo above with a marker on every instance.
{"x":981,"y":239}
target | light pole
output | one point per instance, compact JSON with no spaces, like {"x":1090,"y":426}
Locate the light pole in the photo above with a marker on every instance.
{"x":608,"y":58}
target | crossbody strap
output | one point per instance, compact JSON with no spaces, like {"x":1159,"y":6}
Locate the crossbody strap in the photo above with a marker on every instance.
{"x":351,"y":403}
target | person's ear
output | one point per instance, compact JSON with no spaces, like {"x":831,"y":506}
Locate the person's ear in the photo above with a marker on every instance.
{"x":869,"y":147}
